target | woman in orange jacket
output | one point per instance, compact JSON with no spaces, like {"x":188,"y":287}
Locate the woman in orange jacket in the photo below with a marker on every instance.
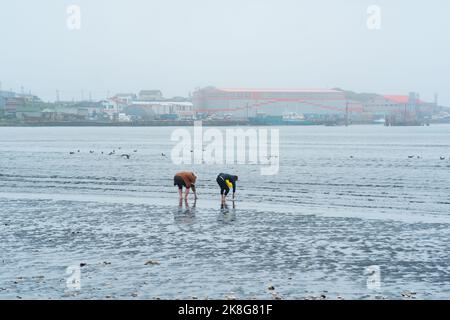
{"x":185,"y":179}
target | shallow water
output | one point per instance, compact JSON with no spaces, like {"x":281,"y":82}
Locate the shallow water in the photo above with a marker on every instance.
{"x":344,"y":199}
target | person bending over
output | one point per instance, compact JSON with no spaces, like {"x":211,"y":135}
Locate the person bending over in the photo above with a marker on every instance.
{"x":226,"y":182}
{"x":187,"y":180}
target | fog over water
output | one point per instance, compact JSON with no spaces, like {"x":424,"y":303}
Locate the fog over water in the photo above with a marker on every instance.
{"x":177,"y":46}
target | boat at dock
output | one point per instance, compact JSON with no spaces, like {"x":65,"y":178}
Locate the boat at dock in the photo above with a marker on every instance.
{"x":287,"y":119}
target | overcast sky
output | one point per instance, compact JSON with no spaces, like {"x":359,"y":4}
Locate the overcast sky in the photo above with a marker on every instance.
{"x":178,"y":45}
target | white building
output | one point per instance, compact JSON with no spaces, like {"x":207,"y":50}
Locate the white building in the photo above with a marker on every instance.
{"x":125,"y":98}
{"x":183,"y":110}
{"x":150,"y":95}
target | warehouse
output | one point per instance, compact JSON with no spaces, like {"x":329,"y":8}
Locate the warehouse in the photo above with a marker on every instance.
{"x":246,"y":103}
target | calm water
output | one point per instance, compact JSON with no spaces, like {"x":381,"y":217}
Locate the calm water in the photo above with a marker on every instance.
{"x":344,"y":199}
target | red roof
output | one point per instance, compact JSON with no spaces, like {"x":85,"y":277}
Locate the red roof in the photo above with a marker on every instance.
{"x":279,"y":90}
{"x":400,"y":99}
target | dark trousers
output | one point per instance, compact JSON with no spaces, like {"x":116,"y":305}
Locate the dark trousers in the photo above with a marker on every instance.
{"x":178,"y":181}
{"x":224,"y":189}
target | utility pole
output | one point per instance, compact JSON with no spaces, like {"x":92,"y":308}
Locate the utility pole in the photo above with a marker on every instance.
{"x":404,"y":116}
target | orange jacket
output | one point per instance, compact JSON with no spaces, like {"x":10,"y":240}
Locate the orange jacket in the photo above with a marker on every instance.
{"x":188,"y":178}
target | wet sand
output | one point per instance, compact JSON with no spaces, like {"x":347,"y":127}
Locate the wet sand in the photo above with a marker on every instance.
{"x":212,"y":253}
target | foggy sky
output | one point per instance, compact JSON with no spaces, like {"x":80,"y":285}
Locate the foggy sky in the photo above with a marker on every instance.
{"x":178,"y":45}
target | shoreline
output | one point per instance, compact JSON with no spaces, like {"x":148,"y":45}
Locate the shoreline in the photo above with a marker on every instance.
{"x":190,"y":123}
{"x":171,"y":124}
{"x":123,"y":124}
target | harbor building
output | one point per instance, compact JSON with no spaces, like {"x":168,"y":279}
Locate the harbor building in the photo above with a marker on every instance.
{"x":162,"y":110}
{"x":400,"y":109}
{"x":248,"y":103}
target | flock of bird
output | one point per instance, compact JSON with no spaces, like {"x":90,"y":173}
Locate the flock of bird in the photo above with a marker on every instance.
{"x":412,"y":157}
{"x":128,"y":156}
{"x":418,"y":157}
{"x":113,"y":152}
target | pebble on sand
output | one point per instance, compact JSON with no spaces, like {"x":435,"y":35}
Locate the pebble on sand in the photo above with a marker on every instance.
{"x":408,"y":294}
{"x":321,"y":297}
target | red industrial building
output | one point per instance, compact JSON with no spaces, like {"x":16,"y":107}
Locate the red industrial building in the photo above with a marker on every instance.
{"x":328,"y":104}
{"x":245,"y":103}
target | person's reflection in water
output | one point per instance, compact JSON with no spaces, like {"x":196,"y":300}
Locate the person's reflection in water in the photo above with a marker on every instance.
{"x":187,"y":214}
{"x":226,"y":214}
